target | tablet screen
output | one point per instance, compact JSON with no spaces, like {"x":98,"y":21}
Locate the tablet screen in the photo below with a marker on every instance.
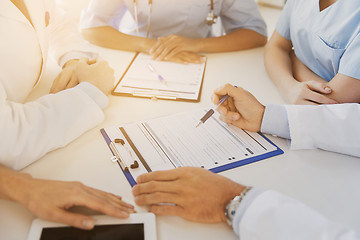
{"x":133,"y":231}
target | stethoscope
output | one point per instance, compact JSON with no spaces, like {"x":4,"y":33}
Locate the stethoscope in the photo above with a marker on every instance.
{"x":210,"y":19}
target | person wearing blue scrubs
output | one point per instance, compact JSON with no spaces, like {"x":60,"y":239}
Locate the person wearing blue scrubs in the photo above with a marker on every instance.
{"x":314,"y":54}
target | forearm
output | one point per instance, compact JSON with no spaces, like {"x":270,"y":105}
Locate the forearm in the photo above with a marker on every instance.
{"x":12,"y":184}
{"x":345,"y":89}
{"x":111,"y":38}
{"x":235,"y":41}
{"x":35,"y":128}
{"x":278,"y":66}
{"x":301,"y":72}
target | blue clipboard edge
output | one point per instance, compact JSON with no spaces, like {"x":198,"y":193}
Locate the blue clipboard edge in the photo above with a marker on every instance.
{"x":276,"y":152}
{"x":128,"y":175}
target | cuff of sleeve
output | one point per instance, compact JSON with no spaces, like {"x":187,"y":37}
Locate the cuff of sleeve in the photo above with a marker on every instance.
{"x":245,"y":203}
{"x":75,"y":55}
{"x":98,"y":96}
{"x":275,"y":121}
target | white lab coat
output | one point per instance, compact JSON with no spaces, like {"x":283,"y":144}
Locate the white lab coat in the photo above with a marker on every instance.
{"x":273,"y":216}
{"x":28,"y":130}
{"x":330,"y":127}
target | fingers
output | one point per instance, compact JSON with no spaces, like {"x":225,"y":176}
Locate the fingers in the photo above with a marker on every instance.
{"x":229,"y":117}
{"x":163,"y":47}
{"x":187,"y":57}
{"x":112,"y":199}
{"x":72,"y":82}
{"x":72,"y":219}
{"x":318,"y":98}
{"x":106,"y":203}
{"x":169,"y":175}
{"x":157,"y":198}
{"x":227,"y":89}
{"x":167,"y":210}
{"x":154,"y":186}
{"x":61,"y":81}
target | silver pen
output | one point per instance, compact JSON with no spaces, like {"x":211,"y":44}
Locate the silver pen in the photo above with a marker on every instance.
{"x":209,"y":113}
{"x":153,"y":70}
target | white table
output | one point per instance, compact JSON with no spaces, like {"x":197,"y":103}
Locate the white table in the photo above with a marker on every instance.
{"x":326,"y":181}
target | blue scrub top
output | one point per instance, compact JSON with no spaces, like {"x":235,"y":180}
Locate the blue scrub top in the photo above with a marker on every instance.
{"x":327,"y":41}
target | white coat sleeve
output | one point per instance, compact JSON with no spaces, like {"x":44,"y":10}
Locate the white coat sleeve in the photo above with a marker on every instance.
{"x":65,"y":39}
{"x":330,"y":127}
{"x":273,"y":216}
{"x":30,"y":130}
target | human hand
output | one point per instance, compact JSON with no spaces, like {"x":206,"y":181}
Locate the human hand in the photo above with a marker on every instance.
{"x":194,"y":194}
{"x":186,"y":58}
{"x":98,"y":73}
{"x":67,"y":77}
{"x":167,"y":47}
{"x":309,"y":93}
{"x":50,"y":200}
{"x":241,"y":109}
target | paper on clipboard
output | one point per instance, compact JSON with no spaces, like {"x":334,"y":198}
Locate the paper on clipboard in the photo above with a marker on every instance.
{"x":173,"y":141}
{"x":182,"y":81}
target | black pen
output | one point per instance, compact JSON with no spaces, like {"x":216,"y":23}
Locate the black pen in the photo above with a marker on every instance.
{"x":209,"y":113}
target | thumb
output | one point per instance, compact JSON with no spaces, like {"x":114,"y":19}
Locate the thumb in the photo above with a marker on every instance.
{"x":73,"y":219}
{"x":223,"y":90}
{"x":319,"y":87}
{"x":226,"y":89}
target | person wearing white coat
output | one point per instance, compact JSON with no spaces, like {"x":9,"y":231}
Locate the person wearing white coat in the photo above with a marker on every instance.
{"x":28,"y":30}
{"x":173,"y":30}
{"x":202,"y":196}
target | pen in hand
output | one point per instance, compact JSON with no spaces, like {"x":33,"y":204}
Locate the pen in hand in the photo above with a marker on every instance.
{"x":209,"y":113}
{"x":153,"y":70}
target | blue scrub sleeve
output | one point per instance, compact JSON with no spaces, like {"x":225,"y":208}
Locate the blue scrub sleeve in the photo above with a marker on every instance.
{"x":242,"y":14}
{"x":283,"y":24}
{"x":350,"y":61}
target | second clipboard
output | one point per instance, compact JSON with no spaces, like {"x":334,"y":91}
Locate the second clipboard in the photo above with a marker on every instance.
{"x":148,"y":78}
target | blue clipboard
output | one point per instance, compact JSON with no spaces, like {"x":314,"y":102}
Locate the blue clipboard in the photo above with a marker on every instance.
{"x":222,"y":168}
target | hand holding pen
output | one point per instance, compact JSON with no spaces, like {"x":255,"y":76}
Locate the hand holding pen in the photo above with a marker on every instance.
{"x":212,"y":110}
{"x":242,"y":109}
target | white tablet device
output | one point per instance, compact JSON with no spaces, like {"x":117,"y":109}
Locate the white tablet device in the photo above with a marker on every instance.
{"x":139,"y":226}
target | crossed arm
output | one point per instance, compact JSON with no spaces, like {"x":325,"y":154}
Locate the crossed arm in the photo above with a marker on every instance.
{"x":174,"y":47}
{"x":298,"y":84}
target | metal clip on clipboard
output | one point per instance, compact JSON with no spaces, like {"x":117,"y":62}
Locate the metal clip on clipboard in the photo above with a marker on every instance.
{"x":117,"y":158}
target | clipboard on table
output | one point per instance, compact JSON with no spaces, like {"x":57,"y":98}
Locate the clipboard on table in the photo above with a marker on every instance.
{"x":173,"y":141}
{"x":142,"y":78}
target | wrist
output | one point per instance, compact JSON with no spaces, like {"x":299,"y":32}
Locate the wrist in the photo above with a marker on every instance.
{"x":232,"y":192}
{"x":234,"y":203}
{"x":147,"y":44}
{"x":199,"y":45}
{"x":13,"y":185}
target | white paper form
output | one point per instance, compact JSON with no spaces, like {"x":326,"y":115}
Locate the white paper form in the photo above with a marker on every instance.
{"x":181,"y":81}
{"x":173,"y":141}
